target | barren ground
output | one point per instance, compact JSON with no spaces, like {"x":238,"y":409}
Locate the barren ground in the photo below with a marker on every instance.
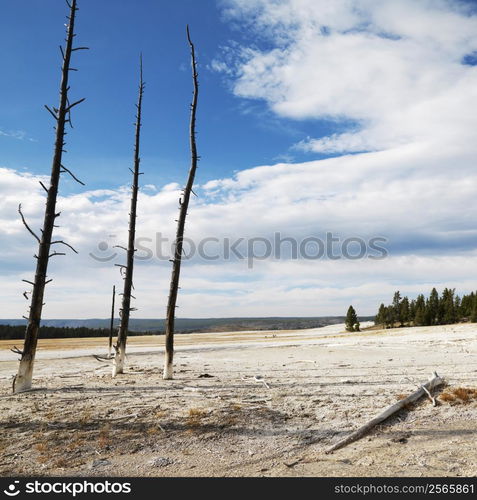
{"x":214,"y":419}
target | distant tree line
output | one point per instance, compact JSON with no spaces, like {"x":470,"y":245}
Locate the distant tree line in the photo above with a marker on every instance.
{"x":445,"y":309}
{"x":10,"y":332}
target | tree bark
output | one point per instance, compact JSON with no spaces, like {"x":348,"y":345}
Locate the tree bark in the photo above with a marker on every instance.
{"x":184,"y":205}
{"x":111,"y":324}
{"x":23,"y":379}
{"x":125,"y":311}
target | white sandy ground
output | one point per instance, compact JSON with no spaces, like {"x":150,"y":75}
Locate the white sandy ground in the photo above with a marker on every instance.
{"x":322,"y":384}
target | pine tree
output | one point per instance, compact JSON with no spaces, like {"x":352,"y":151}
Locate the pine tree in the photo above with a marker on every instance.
{"x":404,"y":311}
{"x":351,"y":320}
{"x":433,"y":307}
{"x":448,"y":314}
{"x":390,"y":317}
{"x":473,"y":314}
{"x":380,"y":318}
{"x":397,"y":307}
{"x":420,"y":311}
{"x":458,"y":309}
{"x":412,"y":311}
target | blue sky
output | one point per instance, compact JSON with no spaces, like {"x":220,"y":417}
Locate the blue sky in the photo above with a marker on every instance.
{"x":100,"y":144}
{"x":355,"y":117}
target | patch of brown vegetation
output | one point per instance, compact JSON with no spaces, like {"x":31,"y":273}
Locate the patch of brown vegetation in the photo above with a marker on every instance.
{"x":447,"y":397}
{"x":459,"y":395}
{"x":61,"y":463}
{"x":195,"y":416}
{"x":41,"y":447}
{"x":104,"y":440}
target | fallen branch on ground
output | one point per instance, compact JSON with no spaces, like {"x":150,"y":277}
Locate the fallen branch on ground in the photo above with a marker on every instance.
{"x":258,"y":379}
{"x":433,"y":382}
{"x":431,"y":397}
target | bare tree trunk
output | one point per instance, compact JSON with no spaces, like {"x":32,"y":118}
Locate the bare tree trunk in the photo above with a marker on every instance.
{"x":184,"y":205}
{"x":23,"y":379}
{"x":127,"y":270}
{"x":111,"y":324}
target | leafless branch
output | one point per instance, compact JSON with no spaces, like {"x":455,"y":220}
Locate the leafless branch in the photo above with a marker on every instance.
{"x":71,"y":106}
{"x":52,"y":114}
{"x":25,"y":224}
{"x":61,"y":242}
{"x":72,"y":175}
{"x":16,"y":350}
{"x":54,"y":254}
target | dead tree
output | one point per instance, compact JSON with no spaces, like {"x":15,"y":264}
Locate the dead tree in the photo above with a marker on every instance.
{"x":184,"y":205}
{"x":62,"y":117}
{"x":111,"y":324}
{"x":127,"y":270}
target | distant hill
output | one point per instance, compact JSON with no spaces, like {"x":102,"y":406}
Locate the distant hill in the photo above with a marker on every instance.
{"x":186,"y":325}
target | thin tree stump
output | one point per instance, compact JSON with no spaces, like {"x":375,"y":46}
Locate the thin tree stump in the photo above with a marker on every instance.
{"x":62,"y":116}
{"x":127,"y":271}
{"x":184,"y":205}
{"x":111,"y":325}
{"x":433,"y":382}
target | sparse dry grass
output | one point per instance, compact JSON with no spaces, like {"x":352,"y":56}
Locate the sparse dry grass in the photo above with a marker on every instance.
{"x":85,"y":417}
{"x":104,"y":440}
{"x":459,"y":395}
{"x":195,"y":416}
{"x":61,"y":463}
{"x":41,"y":447}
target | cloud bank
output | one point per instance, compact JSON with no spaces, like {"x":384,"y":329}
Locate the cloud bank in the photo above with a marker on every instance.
{"x":399,"y":78}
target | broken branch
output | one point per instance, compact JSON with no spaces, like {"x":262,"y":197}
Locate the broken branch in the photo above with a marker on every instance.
{"x":16,"y":350}
{"x":54,"y":254}
{"x":433,"y":382}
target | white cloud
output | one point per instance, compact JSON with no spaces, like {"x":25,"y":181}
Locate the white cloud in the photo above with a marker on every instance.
{"x":17,"y":134}
{"x":394,"y":68}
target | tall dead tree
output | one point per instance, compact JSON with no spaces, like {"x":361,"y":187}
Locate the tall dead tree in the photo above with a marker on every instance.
{"x":62,"y":116}
{"x":184,"y":205}
{"x":127,"y":270}
{"x":111,"y":324}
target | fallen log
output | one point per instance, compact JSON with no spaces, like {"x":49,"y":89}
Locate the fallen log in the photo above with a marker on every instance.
{"x":425,"y":389}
